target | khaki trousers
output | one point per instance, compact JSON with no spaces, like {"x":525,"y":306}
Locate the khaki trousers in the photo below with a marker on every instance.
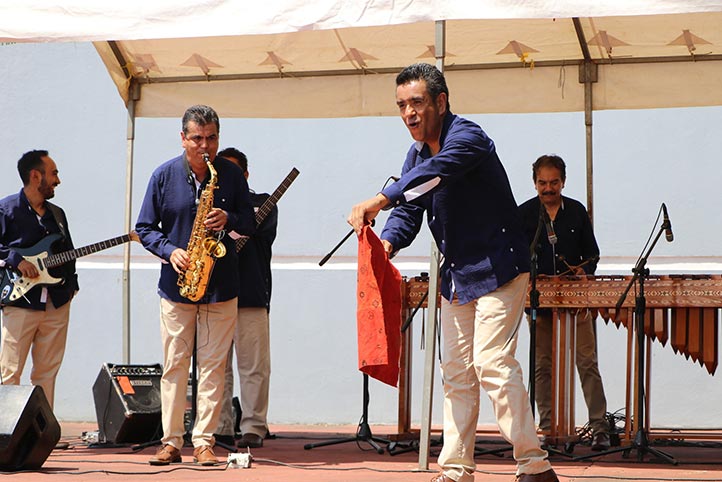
{"x":253,"y":354}
{"x":478,"y":345}
{"x":211,"y":327}
{"x":46,"y":332}
{"x":587,"y":367}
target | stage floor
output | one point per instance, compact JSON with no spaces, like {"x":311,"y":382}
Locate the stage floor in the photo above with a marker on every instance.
{"x":285,"y":459}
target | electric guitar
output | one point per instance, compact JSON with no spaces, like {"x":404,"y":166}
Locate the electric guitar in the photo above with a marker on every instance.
{"x":268,"y":204}
{"x":13,"y":285}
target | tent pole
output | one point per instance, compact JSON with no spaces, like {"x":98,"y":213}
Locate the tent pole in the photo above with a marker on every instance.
{"x":134,"y":91}
{"x":430,"y":340}
{"x":588,"y":124}
{"x":588,"y":71}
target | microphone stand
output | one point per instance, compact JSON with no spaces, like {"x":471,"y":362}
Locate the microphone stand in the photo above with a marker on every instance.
{"x":363,"y":432}
{"x":330,"y":253}
{"x":418,"y":306}
{"x":534,"y":304}
{"x":373,"y":221}
{"x":641,"y":440}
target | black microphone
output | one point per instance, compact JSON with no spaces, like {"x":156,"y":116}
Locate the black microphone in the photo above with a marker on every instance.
{"x":667,"y":225}
{"x":550,"y":228}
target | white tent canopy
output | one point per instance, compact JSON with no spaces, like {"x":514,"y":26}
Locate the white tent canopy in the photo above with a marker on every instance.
{"x":88,"y":20}
{"x":338,"y":58}
{"x":492,"y":66}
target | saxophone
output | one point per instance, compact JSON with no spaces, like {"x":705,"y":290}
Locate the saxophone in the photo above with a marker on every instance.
{"x":204,"y":247}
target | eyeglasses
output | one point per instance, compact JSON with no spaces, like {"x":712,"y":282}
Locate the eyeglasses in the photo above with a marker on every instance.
{"x":198,"y":140}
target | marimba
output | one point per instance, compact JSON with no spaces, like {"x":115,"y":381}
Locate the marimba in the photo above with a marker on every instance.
{"x":683,"y":310}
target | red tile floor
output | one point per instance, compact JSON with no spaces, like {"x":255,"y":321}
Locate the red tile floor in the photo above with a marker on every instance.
{"x":285,"y":459}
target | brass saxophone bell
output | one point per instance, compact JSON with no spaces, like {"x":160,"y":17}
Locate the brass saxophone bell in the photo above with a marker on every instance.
{"x":214,"y":247}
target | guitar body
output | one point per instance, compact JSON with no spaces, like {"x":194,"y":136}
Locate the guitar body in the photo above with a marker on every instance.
{"x":14,"y":285}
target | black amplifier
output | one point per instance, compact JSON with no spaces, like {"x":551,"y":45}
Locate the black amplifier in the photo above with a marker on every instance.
{"x":127,"y":403}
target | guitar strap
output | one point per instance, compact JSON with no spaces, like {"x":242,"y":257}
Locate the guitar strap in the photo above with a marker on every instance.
{"x":59,"y":218}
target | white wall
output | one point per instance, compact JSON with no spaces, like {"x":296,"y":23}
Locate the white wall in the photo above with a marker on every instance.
{"x":58,"y":97}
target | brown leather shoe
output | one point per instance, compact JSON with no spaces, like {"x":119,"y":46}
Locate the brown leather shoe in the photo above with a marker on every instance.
{"x":250,"y":440}
{"x":204,"y":455}
{"x":165,"y":455}
{"x":440,"y":477}
{"x":548,"y":476}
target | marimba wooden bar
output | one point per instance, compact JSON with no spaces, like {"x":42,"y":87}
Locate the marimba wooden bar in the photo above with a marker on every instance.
{"x":685,"y":307}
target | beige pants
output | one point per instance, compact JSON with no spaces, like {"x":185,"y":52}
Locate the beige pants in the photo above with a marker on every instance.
{"x":211,"y":325}
{"x":479,"y":342}
{"x":253,"y":353}
{"x":587,"y":368}
{"x":44,"y":331}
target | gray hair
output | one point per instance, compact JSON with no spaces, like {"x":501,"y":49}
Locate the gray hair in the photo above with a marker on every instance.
{"x":201,"y":115}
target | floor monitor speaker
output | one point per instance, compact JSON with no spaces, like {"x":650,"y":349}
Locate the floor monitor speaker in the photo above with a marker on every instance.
{"x":127,"y":403}
{"x":28,"y":428}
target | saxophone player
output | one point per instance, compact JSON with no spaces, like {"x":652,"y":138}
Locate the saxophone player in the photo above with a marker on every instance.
{"x":191,"y":199}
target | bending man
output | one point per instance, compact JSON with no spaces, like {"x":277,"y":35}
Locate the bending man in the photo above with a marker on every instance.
{"x":453,"y":174}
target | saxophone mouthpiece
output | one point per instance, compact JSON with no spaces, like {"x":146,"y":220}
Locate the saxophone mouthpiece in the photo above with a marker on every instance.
{"x":206,"y":157}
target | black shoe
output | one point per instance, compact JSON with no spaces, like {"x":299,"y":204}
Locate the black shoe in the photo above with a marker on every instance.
{"x":250,"y":440}
{"x":600,"y":441}
{"x":548,"y":476}
{"x":225,"y":439}
{"x":548,"y":441}
{"x":62,"y":446}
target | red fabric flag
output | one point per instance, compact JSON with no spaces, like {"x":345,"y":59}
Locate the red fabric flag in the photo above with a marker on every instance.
{"x":378,"y":314}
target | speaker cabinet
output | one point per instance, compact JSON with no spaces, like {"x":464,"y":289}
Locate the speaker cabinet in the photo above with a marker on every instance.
{"x":28,"y":428}
{"x":127,"y":403}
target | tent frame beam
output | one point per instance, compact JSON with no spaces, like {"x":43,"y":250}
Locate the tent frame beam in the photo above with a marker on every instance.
{"x":396,"y":70}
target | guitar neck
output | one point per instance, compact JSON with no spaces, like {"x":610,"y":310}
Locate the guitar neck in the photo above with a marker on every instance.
{"x":55,"y":260}
{"x":268,"y":204}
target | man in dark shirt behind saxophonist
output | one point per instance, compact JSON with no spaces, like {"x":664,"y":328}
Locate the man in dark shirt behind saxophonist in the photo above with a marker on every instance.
{"x":252,"y":335}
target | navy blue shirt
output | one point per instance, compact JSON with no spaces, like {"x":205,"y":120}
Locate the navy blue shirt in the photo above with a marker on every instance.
{"x":21,"y":228}
{"x":166,"y":220}
{"x":254,"y":260}
{"x":575,"y":238}
{"x":470,"y":210}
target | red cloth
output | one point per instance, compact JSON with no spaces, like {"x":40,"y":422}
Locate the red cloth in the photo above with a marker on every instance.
{"x":378,"y":314}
